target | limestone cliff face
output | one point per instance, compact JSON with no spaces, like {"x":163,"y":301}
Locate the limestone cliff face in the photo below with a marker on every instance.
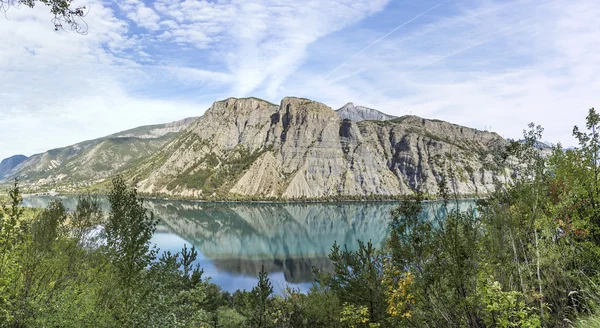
{"x":303,"y":148}
{"x":297,"y":149}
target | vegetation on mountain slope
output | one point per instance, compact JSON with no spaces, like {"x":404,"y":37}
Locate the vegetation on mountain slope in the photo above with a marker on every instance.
{"x":79,"y":166}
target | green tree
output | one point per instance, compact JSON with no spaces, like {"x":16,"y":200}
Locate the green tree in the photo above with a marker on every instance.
{"x":435,"y":263}
{"x":63,"y":11}
{"x":588,"y":170}
{"x":127,"y":232}
{"x":48,"y":226}
{"x":259,"y":300}
{"x":10,"y":221}
{"x":11,"y":224}
{"x":87,"y":216}
{"x":357,"y":278}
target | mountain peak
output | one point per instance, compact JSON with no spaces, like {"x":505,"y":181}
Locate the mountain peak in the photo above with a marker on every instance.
{"x":362,"y":113}
{"x":232,"y":100}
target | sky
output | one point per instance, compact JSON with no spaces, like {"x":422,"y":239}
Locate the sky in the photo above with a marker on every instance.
{"x":488,"y":64}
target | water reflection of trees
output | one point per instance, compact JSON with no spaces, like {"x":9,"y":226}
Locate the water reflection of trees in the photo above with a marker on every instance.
{"x":240,"y":238}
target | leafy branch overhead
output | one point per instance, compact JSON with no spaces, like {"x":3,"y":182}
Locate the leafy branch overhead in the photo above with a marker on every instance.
{"x":65,"y":15}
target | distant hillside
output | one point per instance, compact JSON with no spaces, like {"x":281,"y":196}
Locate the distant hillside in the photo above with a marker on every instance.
{"x":8,"y":164}
{"x":92,"y":161}
{"x":360,"y":113}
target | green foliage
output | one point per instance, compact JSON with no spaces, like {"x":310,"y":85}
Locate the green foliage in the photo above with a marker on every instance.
{"x":87,"y":216}
{"x":128,"y":231}
{"x":259,"y":299}
{"x":47,"y":227}
{"x":228,"y":317}
{"x":358,"y":278}
{"x":442,"y":259}
{"x":10,"y":220}
{"x":505,"y":308}
{"x":355,"y":316}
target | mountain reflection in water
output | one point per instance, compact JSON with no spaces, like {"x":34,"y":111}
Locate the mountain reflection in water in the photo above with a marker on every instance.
{"x":235,"y":240}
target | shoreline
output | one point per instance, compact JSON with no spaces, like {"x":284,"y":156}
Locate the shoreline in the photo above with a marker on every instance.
{"x":282,"y":201}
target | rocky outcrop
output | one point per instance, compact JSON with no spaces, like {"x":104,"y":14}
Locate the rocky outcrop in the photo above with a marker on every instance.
{"x":304,"y":149}
{"x":361,"y":113}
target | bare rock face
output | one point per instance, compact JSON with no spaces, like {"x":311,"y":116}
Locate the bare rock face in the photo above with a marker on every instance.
{"x":304,"y":149}
{"x":263,"y":178}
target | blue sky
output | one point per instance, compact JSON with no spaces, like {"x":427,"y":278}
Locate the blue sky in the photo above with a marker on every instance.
{"x":498,"y":64}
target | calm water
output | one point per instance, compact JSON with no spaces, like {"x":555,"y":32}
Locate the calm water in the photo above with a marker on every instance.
{"x":235,"y":239}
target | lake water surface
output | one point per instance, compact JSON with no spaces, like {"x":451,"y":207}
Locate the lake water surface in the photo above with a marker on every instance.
{"x":234,"y":240}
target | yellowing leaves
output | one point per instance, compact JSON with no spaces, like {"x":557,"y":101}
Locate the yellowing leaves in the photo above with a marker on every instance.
{"x":398,"y":283}
{"x":355,"y":316}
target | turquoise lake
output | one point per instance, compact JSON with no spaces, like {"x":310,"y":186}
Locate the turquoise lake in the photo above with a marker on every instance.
{"x":234,"y":240}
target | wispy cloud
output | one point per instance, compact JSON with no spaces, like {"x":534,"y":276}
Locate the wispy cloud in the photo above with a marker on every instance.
{"x":503,"y":33}
{"x":139,"y":13}
{"x":147,"y":62}
{"x":383,"y":37}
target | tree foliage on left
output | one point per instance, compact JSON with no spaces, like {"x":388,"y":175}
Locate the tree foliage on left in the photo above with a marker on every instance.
{"x":65,"y":15}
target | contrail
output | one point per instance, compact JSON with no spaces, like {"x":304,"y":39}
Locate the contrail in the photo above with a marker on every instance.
{"x":461,"y":50}
{"x":383,"y":37}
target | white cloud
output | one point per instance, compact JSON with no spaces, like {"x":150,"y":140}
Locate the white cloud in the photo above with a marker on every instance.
{"x":194,"y":75}
{"x":271,"y":37}
{"x":143,"y":16}
{"x":61,"y":88}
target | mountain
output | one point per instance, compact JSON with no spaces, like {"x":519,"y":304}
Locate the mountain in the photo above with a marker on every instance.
{"x":300,"y":149}
{"x":360,"y":113}
{"x":93,"y":161}
{"x":10,"y":163}
{"x":304,"y":149}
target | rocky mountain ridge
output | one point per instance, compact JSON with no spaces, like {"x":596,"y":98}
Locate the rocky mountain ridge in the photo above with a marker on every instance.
{"x":303,"y":149}
{"x":300,"y":149}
